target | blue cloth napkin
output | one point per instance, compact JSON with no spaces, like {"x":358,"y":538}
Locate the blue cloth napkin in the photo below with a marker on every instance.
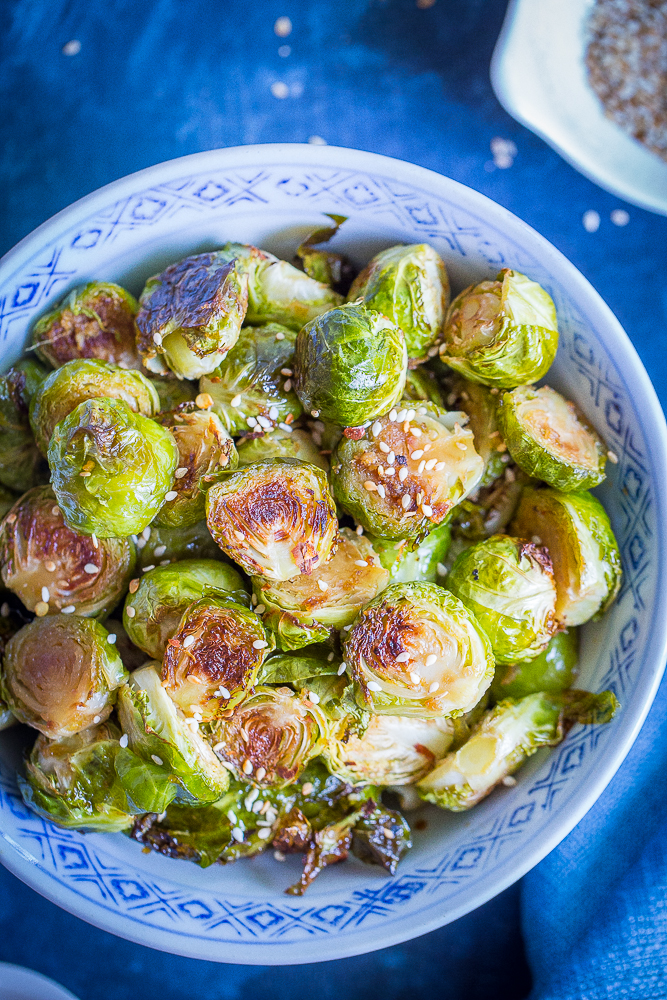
{"x":92,"y":90}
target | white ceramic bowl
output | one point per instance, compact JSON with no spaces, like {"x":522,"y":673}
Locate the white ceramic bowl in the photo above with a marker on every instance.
{"x":539,"y":75}
{"x":269,"y":195}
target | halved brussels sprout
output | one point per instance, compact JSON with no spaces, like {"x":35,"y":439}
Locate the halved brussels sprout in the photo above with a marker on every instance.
{"x":508,"y":584}
{"x":550,"y":439}
{"x":402,"y":477}
{"x":173,"y":392}
{"x":416,"y":650}
{"x":409,"y":285}
{"x":501,"y":333}
{"x":60,"y":674}
{"x":504,"y":738}
{"x":65,"y":388}
{"x":252,"y":388}
{"x":73,"y":782}
{"x":350,"y":365}
{"x":279,"y":292}
{"x":159,"y":733}
{"x":276,"y":519}
{"x":190,"y":315}
{"x":553,"y":671}
{"x":93,"y":321}
{"x":51,"y":567}
{"x":204,"y":447}
{"x":212,"y":661}
{"x":332,"y":269}
{"x":279,"y":443}
{"x":156,"y":602}
{"x":394,"y":750}
{"x":424,"y":563}
{"x":269,"y":738}
{"x":21,"y":464}
{"x":481,"y":405}
{"x":160,"y":546}
{"x":422,"y":384}
{"x":308,"y":609}
{"x":575,"y":529}
{"x":111,"y":469}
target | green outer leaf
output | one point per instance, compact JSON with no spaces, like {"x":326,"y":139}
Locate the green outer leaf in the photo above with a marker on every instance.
{"x":147,"y":786}
{"x":552,"y":671}
{"x":421,"y":384}
{"x":281,"y":444}
{"x":298,"y":668}
{"x":406,"y":564}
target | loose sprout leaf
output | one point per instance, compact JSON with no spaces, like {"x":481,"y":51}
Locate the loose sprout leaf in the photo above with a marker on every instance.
{"x":588,"y":709}
{"x":298,"y":668}
{"x":381,"y":837}
{"x":329,"y":845}
{"x":146,"y":785}
{"x":332,"y":269}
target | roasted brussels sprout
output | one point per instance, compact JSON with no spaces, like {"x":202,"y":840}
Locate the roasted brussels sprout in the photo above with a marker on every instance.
{"x":308,"y":609}
{"x":394,"y":750}
{"x":488,"y":510}
{"x":276,"y":519}
{"x":332,"y":269}
{"x":65,"y":388}
{"x":481,"y":405}
{"x":73,"y":782}
{"x":422,"y":385}
{"x":159,"y":733}
{"x":402,"y":477}
{"x":424,"y":563}
{"x":553,"y":671}
{"x":111,"y":469}
{"x":156,"y":602}
{"x":21,"y":464}
{"x":173,"y":392}
{"x":60,"y":674}
{"x":204,"y":447}
{"x":409,"y":285}
{"x":575,"y":529}
{"x":350,"y":365}
{"x":501,"y":333}
{"x":252,"y":388}
{"x":280,"y":444}
{"x":51,"y":567}
{"x":269,"y":738}
{"x":508,"y":584}
{"x":190,"y":315}
{"x":279,"y":292}
{"x":416,"y":650}
{"x":212,"y":661}
{"x":504,"y":738}
{"x":93,"y":321}
{"x":550,"y":439}
{"x":159,"y":546}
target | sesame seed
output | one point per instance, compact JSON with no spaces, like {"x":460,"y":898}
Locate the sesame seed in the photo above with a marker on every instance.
{"x":439,"y":466}
{"x":124,"y":740}
{"x":433,"y":687}
{"x":415,"y":678}
{"x":286,"y":428}
{"x":416,"y":455}
{"x":54,"y":510}
{"x":613,"y":457}
{"x":160,"y":550}
{"x":204,"y":401}
{"x":180,"y":472}
{"x":360,"y":562}
{"x":381,"y":491}
{"x":461,"y":446}
{"x":253,"y":599}
{"x":391,"y":471}
{"x":147,"y":569}
{"x":376,"y":428}
{"x":279,"y":856}
{"x":415,"y":432}
{"x":189,"y":639}
{"x":251,"y":422}
{"x":250,"y":797}
{"x":222,"y":692}
{"x":370,"y":486}
{"x":286,"y":371}
{"x":315,"y":698}
{"x":260,"y":644}
{"x":401,"y":416}
{"x":41,"y":609}
{"x":359,"y":530}
{"x":442,"y":569}
{"x":261,"y":773}
{"x":247,"y":766}
{"x":236,"y":401}
{"x":157,"y":339}
{"x":157,"y":760}
{"x":384,"y":447}
{"x":91,"y":569}
{"x":140,"y":543}
{"x":536,"y":540}
{"x":427,"y":510}
{"x":4,"y":611}
{"x":164,"y":562}
{"x":97,"y":719}
{"x":264,"y":422}
{"x":237,"y":834}
{"x":130,"y":612}
{"x":380,"y":470}
{"x":264,"y":833}
{"x":50,"y":566}
{"x":260,"y":609}
{"x":591,"y":220}
{"x":323,"y":585}
{"x":373,"y":686}
{"x":111,"y":638}
{"x":46,"y":595}
{"x":431,"y":464}
{"x":69,"y":610}
{"x":288,"y":385}
{"x":171,"y":495}
{"x":403,"y":473}
{"x":84,"y":475}
{"x":421,"y":467}
{"x":341,"y":669}
{"x":94,"y":540}
{"x":509,"y":781}
{"x":402,"y":657}
{"x":391,"y":458}
{"x":134,"y":586}
{"x":406,"y":501}
{"x":273,"y":413}
{"x":330,"y":657}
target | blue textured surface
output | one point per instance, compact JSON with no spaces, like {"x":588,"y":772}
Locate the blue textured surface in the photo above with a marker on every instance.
{"x":152,"y":83}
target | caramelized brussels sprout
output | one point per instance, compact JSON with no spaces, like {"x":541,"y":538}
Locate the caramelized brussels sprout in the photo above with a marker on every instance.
{"x":252,"y":388}
{"x":424,"y":563}
{"x":502,"y":333}
{"x":409,"y":285}
{"x":308,"y":609}
{"x":51,"y":567}
{"x":278,"y":443}
{"x":190,"y":315}
{"x":275,"y":519}
{"x":508,"y":584}
{"x":157,"y":601}
{"x":405,"y":474}
{"x":575,"y":529}
{"x":111,"y":469}
{"x":65,"y":388}
{"x":269,"y":738}
{"x":422,"y":385}
{"x":416,"y":650}
{"x":173,"y":392}
{"x":159,"y":733}
{"x":21,"y":464}
{"x":394,"y":750}
{"x":212,"y":660}
{"x":73,"y":782}
{"x":93,"y":321}
{"x":159,"y":546}
{"x":204,"y":447}
{"x":504,"y":738}
{"x":350,"y":365}
{"x":550,"y":439}
{"x":553,"y":671}
{"x":60,"y":674}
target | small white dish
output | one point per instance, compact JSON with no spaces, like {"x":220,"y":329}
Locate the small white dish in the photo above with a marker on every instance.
{"x":18,"y":983}
{"x":538,"y":72}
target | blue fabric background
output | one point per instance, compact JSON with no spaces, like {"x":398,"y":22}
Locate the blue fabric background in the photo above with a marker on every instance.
{"x":159,"y":79}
